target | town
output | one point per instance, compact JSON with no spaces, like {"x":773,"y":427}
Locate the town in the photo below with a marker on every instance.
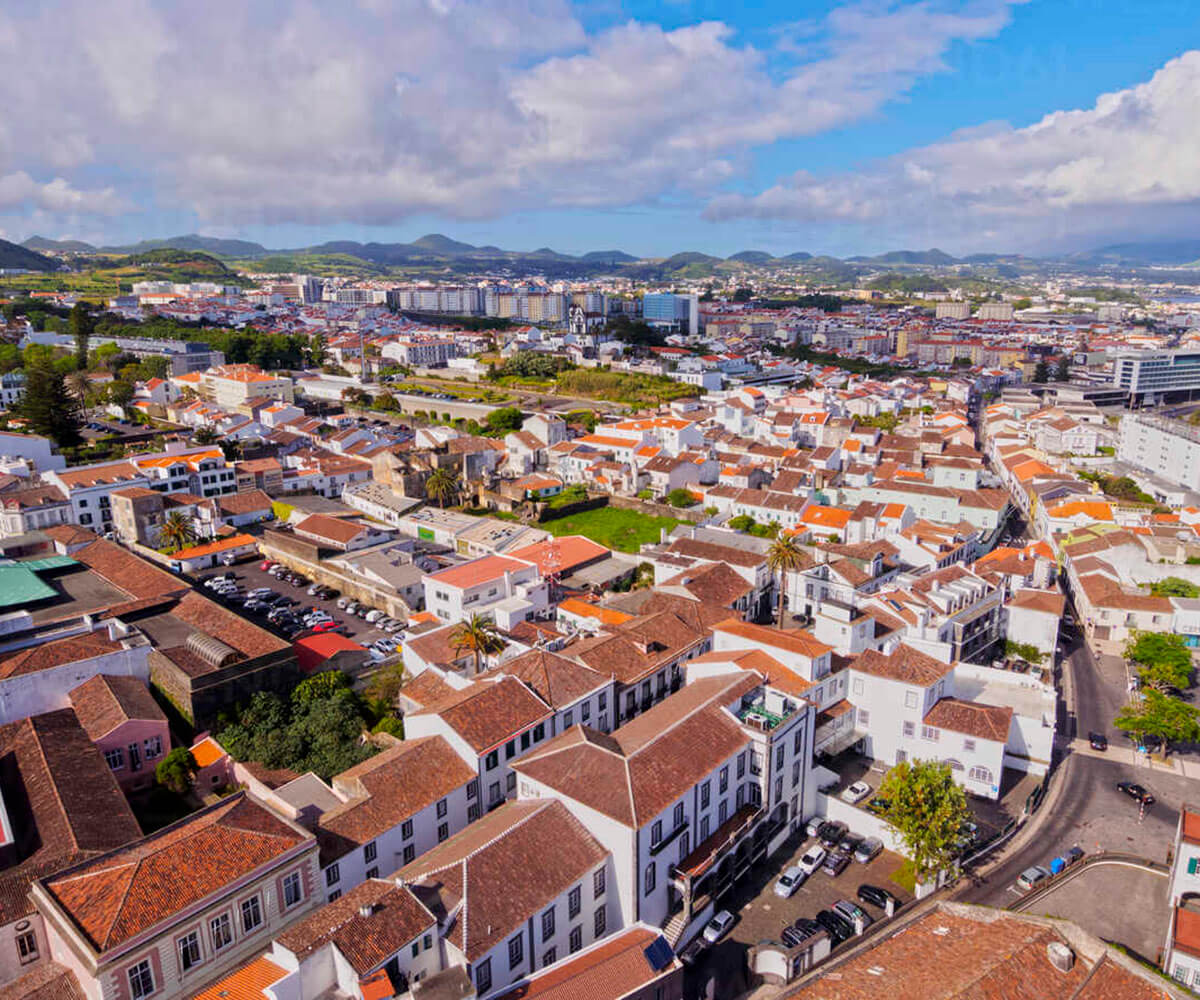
{"x":528,"y":636}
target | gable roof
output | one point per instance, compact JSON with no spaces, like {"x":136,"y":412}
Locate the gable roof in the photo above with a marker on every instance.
{"x":117,"y":896}
{"x":987,"y":722}
{"x":487,"y":713}
{"x":102,"y":703}
{"x":556,"y":680}
{"x":904,"y":664}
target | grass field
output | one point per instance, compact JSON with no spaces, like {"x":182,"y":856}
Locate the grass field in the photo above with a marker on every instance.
{"x":623,"y":530}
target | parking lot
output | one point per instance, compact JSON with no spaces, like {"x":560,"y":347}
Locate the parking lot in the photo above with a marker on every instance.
{"x":762,"y":915}
{"x":250,"y":575}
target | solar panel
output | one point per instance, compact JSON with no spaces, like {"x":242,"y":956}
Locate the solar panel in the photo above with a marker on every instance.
{"x":659,"y":954}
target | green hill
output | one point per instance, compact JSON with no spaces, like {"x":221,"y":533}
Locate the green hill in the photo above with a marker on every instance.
{"x":13,"y":255}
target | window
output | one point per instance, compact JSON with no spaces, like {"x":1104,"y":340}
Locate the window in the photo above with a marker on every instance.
{"x":980,"y":774}
{"x":516,"y":950}
{"x":483,"y":976}
{"x":573,"y":902}
{"x":373,"y":871}
{"x":857,"y":686}
{"x":600,"y":921}
{"x":550,"y":957}
{"x":525,"y":740}
{"x":704,"y":795}
{"x":539,"y":732}
{"x":494,"y":795}
{"x":370,"y":853}
{"x":189,"y":950}
{"x":332,"y":874}
{"x":251,"y":914}
{"x":656,"y":832}
{"x":568,"y":719}
{"x":969,"y":745}
{"x":648,"y":880}
{"x":548,"y":923}
{"x":335,"y":896}
{"x":741,"y":768}
{"x":779,"y":754}
{"x":473,"y":788}
{"x":910,"y":729}
{"x":930,"y":733}
{"x":410,"y":852}
{"x":864,"y":717}
{"x":491,"y":760}
{"x":723,"y":810}
{"x":796,"y":773}
{"x":406,"y":829}
{"x":704,"y":829}
{"x":585,"y":712}
{"x":443,"y":831}
{"x":441,"y":809}
{"x":910,"y":699}
{"x":115,"y":758}
{"x":631,"y":702}
{"x":292,"y":893}
{"x":141,"y":980}
{"x":27,"y":947}
{"x":679,"y":814}
{"x":798,"y":742}
{"x":598,"y":883}
{"x":576,"y":941}
{"x":603,"y":700}
{"x":510,"y":749}
{"x":153,"y":747}
{"x":472,"y":813}
{"x":428,"y":939}
{"x":416,"y":949}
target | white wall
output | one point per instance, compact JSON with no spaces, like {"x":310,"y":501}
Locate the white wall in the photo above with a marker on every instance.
{"x":46,"y":690}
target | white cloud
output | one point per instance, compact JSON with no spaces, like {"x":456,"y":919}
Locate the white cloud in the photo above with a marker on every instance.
{"x":1131,"y":156}
{"x":260,"y":111}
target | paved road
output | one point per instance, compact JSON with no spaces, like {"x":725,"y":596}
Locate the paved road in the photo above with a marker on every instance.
{"x":1095,"y":687}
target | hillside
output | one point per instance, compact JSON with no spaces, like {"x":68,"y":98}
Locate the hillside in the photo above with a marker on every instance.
{"x":41,"y":245}
{"x":752,"y":257}
{"x":1148,"y":254}
{"x":205,"y":244}
{"x":13,"y":255}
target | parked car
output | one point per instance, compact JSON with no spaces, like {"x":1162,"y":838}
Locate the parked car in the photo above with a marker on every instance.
{"x":812,"y":859}
{"x":325,"y":626}
{"x":878,"y":806}
{"x":267,"y":564}
{"x":806,"y":926}
{"x":791,"y":880}
{"x":849,"y":843}
{"x":1135,"y":791}
{"x":373,"y":616}
{"x":855,"y":793}
{"x":868,"y":850}
{"x":1031,"y":876}
{"x":716,"y":928}
{"x":835,"y":863}
{"x":852,"y":911}
{"x":836,"y":925}
{"x":876,"y":896}
{"x":1098,"y":741}
{"x":342,"y":602}
{"x":813,"y":827}
{"x":314,"y":589}
{"x":831,"y":833}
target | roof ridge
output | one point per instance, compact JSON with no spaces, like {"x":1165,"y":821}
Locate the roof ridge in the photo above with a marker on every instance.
{"x":37,"y":736}
{"x":124,"y":897}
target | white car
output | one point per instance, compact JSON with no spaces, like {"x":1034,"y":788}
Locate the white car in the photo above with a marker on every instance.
{"x":814,"y":825}
{"x":856,"y":792}
{"x":812,"y":859}
{"x":373,"y":616}
{"x":716,"y":928}
{"x":790,"y":881}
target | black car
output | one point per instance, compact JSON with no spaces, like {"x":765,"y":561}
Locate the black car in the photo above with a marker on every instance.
{"x":849,"y":843}
{"x":831,"y":833}
{"x":835,"y":863}
{"x":839,"y":929}
{"x":1098,"y":741}
{"x":1136,"y":792}
{"x":791,"y":937}
{"x":876,"y":897}
{"x":806,"y":926}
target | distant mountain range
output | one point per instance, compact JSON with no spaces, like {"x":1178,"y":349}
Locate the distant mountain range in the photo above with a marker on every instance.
{"x":438,"y":249}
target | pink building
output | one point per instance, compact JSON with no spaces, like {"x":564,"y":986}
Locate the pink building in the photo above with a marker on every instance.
{"x":126,"y":725}
{"x":214,"y":767}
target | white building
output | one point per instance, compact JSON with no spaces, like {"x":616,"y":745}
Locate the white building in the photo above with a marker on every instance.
{"x":499,"y":587}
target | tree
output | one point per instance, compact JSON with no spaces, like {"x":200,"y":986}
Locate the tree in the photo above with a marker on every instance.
{"x":1164,"y":662}
{"x":743,"y":522}
{"x":742,"y":294}
{"x":49,"y":407}
{"x":505,"y":420}
{"x":1041,"y":373}
{"x":1062,"y":371}
{"x":79,"y":386}
{"x":79,"y":325}
{"x":1026,"y":651}
{"x":386,"y":401}
{"x":784,"y":556}
{"x":680,"y":497}
{"x":478,"y":636}
{"x":206,"y":434}
{"x":319,"y":687}
{"x":1174,"y":586}
{"x":442,"y":485}
{"x":384,"y":686}
{"x":176,"y":770}
{"x":928,"y":809}
{"x":1158,"y":714}
{"x":119,"y":392}
{"x":177,"y":531}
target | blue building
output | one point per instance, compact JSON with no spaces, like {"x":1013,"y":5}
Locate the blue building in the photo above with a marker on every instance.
{"x":681,"y":312}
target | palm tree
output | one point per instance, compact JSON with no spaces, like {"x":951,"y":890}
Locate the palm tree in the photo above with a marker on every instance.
{"x":477,"y":634}
{"x":177,"y":531}
{"x":783,"y":556}
{"x":442,"y":485}
{"x":79,"y":387}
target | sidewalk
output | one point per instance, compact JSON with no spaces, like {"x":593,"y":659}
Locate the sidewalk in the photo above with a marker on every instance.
{"x":1127,"y":755}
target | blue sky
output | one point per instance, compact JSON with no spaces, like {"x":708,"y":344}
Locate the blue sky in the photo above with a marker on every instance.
{"x":853,"y":127}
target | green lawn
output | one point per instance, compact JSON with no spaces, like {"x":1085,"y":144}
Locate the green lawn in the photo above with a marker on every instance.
{"x":624,"y":530}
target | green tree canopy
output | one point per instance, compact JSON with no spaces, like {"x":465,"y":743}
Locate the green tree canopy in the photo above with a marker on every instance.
{"x":49,"y":406}
{"x":1164,"y":662}
{"x":176,"y":770}
{"x":783,"y":556}
{"x":1174,"y":586}
{"x":1158,"y":714}
{"x":681,"y":498}
{"x":505,"y":419}
{"x":1041,"y":372}
{"x":928,"y":809}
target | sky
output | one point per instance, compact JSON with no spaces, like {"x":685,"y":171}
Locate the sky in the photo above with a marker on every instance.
{"x":1035,"y":126}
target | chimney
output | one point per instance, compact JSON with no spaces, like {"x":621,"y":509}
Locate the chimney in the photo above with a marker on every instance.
{"x":1060,"y":956}
{"x":366,"y":909}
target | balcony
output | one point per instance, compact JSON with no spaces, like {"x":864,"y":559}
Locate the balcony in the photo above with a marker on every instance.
{"x":725,"y":841}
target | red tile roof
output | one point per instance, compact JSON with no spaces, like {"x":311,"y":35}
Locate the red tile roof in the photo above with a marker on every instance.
{"x":103,"y":703}
{"x":124,"y":893}
{"x":60,"y":652}
{"x":477,"y":571}
{"x":905,"y":664}
{"x":245,"y":983}
{"x":487,"y":714}
{"x":987,"y":722}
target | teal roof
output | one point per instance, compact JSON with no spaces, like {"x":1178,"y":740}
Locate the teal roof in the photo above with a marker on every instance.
{"x":20,"y":586}
{"x":50,"y":562}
